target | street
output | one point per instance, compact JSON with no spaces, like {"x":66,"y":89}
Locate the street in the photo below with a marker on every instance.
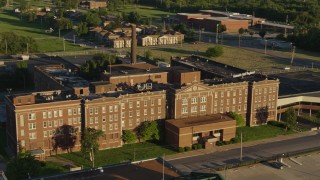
{"x":207,"y":161}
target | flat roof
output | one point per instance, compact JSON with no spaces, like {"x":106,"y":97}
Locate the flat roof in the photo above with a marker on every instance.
{"x":200,"y":120}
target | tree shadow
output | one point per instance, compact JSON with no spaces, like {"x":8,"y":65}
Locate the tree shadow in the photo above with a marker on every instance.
{"x":64,"y":138}
{"x":262,"y":114}
{"x":182,"y":51}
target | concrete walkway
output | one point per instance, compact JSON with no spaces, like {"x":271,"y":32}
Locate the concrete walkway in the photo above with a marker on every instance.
{"x":237,"y":145}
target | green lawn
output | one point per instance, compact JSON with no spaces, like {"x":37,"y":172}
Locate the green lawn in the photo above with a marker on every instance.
{"x":232,"y":56}
{"x":144,"y":11}
{"x":260,"y":132}
{"x":51,"y":168}
{"x":54,"y":45}
{"x":143,"y":150}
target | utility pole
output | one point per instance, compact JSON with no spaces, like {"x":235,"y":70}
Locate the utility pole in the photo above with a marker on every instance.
{"x":6,"y":46}
{"x":92,"y":156}
{"x":64,"y":45}
{"x":292,"y":55}
{"x":59,"y":33}
{"x":217,"y":31}
{"x":74,"y":39}
{"x":285,"y":29}
{"x":265,"y":46}
{"x":241,"y":146}
{"x":163,"y":166}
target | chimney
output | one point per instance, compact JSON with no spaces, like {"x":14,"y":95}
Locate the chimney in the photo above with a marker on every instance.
{"x":133,"y":44}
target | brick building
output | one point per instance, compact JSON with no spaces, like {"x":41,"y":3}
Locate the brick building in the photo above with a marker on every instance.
{"x":133,"y":93}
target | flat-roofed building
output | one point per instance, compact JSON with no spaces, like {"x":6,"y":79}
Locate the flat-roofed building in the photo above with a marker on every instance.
{"x":205,"y":130}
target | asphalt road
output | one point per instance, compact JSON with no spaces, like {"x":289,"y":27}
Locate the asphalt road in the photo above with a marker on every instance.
{"x":208,"y":161}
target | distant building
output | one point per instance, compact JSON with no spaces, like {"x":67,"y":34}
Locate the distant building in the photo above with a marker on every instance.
{"x":93,"y":4}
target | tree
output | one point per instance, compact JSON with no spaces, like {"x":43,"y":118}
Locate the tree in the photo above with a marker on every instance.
{"x":89,"y":142}
{"x":13,"y":44}
{"x":290,"y":118}
{"x":318,"y":115}
{"x":64,"y":138}
{"x":23,"y":167}
{"x":92,"y":19}
{"x":251,"y":33}
{"x":3,"y":3}
{"x":239,"y":119}
{"x":63,"y":23}
{"x":134,"y":17}
{"x":82,"y":29}
{"x":128,"y":136}
{"x":150,"y":131}
{"x":214,"y":51}
{"x":262,"y":33}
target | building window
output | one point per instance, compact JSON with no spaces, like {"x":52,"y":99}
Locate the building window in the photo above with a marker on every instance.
{"x":74,"y":111}
{"x":110,"y":118}
{"x":21,"y":121}
{"x":31,"y":116}
{"x":239,"y":108}
{"x":32,"y":135}
{"x":215,"y":110}
{"x":130,"y":122}
{"x":115,"y":126}
{"x":69,"y":112}
{"x":44,"y":124}
{"x":138,"y":103}
{"x":245,"y":99}
{"x":233,"y":100}
{"x":194,"y":100}
{"x":61,"y":122}
{"x":22,"y":132}
{"x":55,"y":113}
{"x":260,"y":90}
{"x":130,"y":104}
{"x":245,"y":107}
{"x":138,"y":121}
{"x":115,"y":117}
{"x":184,"y":101}
{"x":90,"y":111}
{"x":246,"y":91}
{"x":221,"y":110}
{"x":233,"y":108}
{"x":69,"y":121}
{"x":130,"y":113}
{"x":215,"y":103}
{"x":159,"y":110}
{"x":123,"y":106}
{"x":44,"y":115}
{"x":49,"y":123}
{"x":110,"y":126}
{"x":152,"y":102}
{"x":123,"y":114}
{"x":91,"y":120}
{"x":257,"y":91}
{"x":194,"y":109}
{"x":228,"y":93}
{"x":49,"y":114}
{"x":115,"y":108}
{"x":32,"y":126}
{"x":60,"y":113}
{"x":19,"y":101}
{"x":122,"y":124}
{"x":184,"y":110}
{"x":96,"y":110}
{"x":145,"y":102}
{"x":50,"y":133}
{"x":138,"y":112}
{"x":215,"y":94}
{"x":227,"y":109}
{"x":221,"y":102}
{"x":145,"y":112}
{"x":103,"y":127}
{"x":228,"y":102}
{"x":203,"y":99}
{"x":240,"y":92}
{"x":55,"y":123}
{"x":75,"y":120}
{"x":203,"y":108}
{"x":240,"y":99}
{"x":222,"y":94}
{"x":103,"y":109}
{"x":151,"y":111}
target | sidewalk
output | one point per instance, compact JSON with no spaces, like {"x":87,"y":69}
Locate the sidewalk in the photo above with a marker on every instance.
{"x":237,"y":145}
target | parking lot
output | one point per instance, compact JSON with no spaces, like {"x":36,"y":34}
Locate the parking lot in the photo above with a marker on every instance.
{"x":308,"y":170}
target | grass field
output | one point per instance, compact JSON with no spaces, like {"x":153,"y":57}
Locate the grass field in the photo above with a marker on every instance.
{"x":10,"y":22}
{"x":261,"y":132}
{"x":144,"y":11}
{"x":232,"y":56}
{"x":51,"y":168}
{"x":129,"y":152}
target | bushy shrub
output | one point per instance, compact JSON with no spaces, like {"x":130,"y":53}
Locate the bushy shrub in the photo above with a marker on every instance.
{"x":199,"y":146}
{"x":187,"y":148}
{"x":277,"y":124}
{"x":214,"y":51}
{"x":194,"y":146}
{"x":180,"y":149}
